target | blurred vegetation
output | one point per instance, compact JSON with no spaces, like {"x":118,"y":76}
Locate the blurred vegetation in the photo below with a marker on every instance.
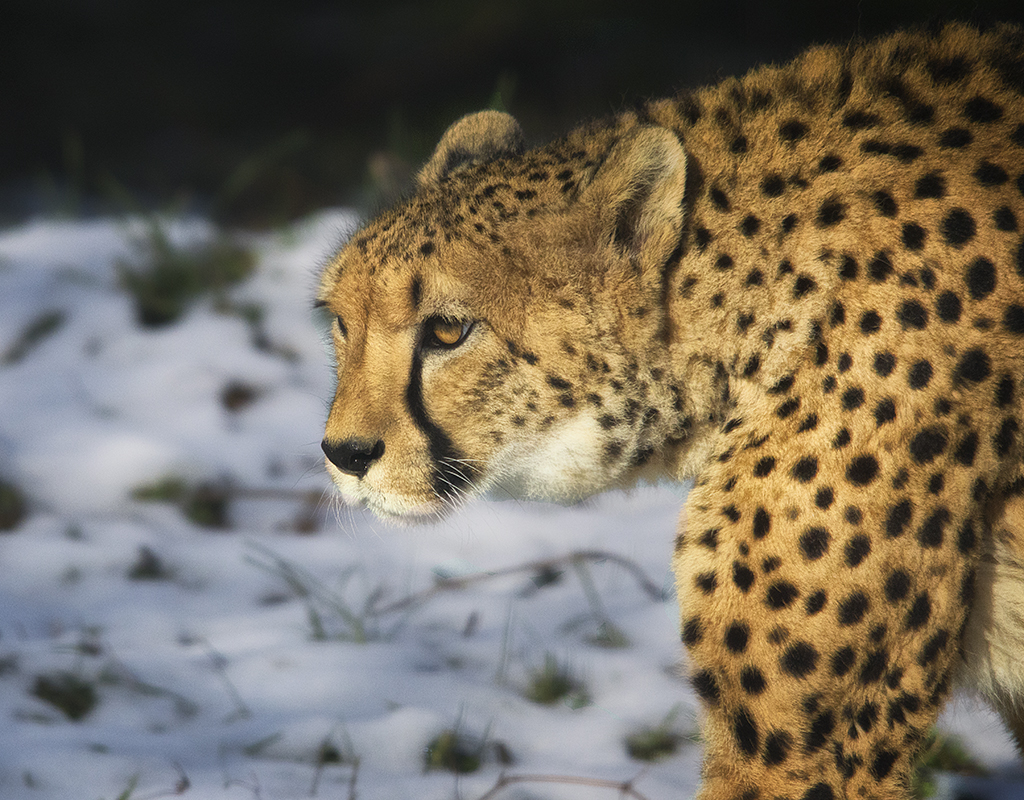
{"x":165,"y":278}
{"x":259,"y":111}
{"x":12,"y":506}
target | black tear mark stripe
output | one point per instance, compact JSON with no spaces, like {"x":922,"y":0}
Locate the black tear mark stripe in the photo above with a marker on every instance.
{"x":450,"y":474}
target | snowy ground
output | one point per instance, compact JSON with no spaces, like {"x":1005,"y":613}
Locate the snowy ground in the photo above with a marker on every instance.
{"x":276,"y":658}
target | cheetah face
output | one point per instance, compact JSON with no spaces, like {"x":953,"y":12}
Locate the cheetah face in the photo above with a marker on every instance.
{"x":449,"y":386}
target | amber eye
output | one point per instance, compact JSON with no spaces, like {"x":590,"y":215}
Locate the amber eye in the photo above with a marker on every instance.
{"x":445,"y":333}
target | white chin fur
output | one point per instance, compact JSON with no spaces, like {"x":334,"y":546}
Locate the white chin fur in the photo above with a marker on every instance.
{"x":568,"y":466}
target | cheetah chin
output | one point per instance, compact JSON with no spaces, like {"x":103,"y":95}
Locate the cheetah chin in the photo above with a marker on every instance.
{"x":803,"y":288}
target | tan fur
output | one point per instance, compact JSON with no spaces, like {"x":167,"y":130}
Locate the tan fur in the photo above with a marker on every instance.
{"x":805,"y":288}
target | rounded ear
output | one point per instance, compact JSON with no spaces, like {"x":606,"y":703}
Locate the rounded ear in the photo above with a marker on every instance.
{"x":474,"y":139}
{"x":638,"y":191}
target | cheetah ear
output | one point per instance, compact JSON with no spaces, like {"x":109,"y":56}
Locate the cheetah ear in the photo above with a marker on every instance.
{"x":474,"y":139}
{"x":638,"y":193}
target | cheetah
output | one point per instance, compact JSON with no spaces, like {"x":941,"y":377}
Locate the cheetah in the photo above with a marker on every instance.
{"x":802,"y":288}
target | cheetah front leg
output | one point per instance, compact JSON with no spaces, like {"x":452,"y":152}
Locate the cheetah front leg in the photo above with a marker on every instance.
{"x":824,"y":591}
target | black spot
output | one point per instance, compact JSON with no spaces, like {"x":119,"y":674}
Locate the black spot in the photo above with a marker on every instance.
{"x":958,"y":227}
{"x":896,"y":586}
{"x":920,"y":374}
{"x":427,"y":248}
{"x":933,"y":531}
{"x":709,"y":539}
{"x":853,"y":515}
{"x":776,"y":748}
{"x":966,"y":449}
{"x":750,"y":225}
{"x":788,"y":408}
{"x":706,"y":686}
{"x":882,"y":763}
{"x":920,"y":612}
{"x":742,"y":576}
{"x":738,"y":145}
{"x":762,"y":523}
{"x":789,"y":223}
{"x":982,"y":110}
{"x":752,"y":366}
{"x":781,"y":594}
{"x":870,"y":323}
{"x":930,"y":186}
{"x":857,"y":549}
{"x":874,"y":667}
{"x":989,"y":174}
{"x":841,"y":439}
{"x":845,"y":362}
{"x":858,"y":120}
{"x":862,"y":470}
{"x":707,"y":582}
{"x":884,"y":203}
{"x":885,"y":363}
{"x":764,"y":467}
{"x":824,"y":497}
{"x":912,"y":314}
{"x":792,"y":130}
{"x":752,"y":680}
{"x":933,"y":647}
{"x":805,"y":469}
{"x":853,"y":608}
{"x":799,"y":660}
{"x":746,"y":733}
{"x":773,"y":185}
{"x":831,"y":212}
{"x":974,"y":366}
{"x":693,"y":632}
{"x":842,"y":661}
{"x":853,"y":398}
{"x":948,"y":307}
{"x":945,"y":71}
{"x":980,"y":278}
{"x":830,"y":163}
{"x":723,"y":263}
{"x":913,"y":236}
{"x":1005,"y":437}
{"x":719,"y":199}
{"x":1004,"y":392}
{"x":1004,"y":219}
{"x":936,"y":483}
{"x":1013,"y":319}
{"x":837,"y":314}
{"x":803,"y":285}
{"x":880,"y":267}
{"x":821,"y":728}
{"x":885,"y":411}
{"x":898,"y":518}
{"x":814,"y":603}
{"x":809,"y":423}
{"x":966,"y":538}
{"x":736,"y":638}
{"x":928,"y":444}
{"x":848,"y":268}
{"x":955,"y":138}
{"x":814,"y":543}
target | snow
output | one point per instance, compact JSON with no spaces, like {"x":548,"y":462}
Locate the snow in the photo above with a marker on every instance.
{"x":253,"y":648}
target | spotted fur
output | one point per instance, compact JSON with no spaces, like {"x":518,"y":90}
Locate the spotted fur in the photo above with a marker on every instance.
{"x":805,"y":288}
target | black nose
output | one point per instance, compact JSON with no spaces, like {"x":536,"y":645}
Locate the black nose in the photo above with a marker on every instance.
{"x":353,"y":456}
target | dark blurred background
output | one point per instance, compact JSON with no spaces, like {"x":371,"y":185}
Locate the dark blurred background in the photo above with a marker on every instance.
{"x":257,"y":111}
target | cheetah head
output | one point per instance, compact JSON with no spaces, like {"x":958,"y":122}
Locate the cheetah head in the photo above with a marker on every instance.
{"x":498,"y":331}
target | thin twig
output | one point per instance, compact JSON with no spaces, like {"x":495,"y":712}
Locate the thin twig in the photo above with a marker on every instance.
{"x":577,"y":556}
{"x":625,"y":788}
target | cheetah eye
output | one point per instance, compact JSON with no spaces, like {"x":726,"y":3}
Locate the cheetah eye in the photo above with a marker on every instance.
{"x":341,"y":327}
{"x":445,"y":334}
